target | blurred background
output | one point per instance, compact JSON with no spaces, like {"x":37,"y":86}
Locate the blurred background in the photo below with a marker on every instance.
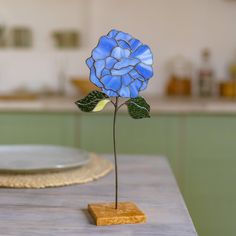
{"x":43,"y":48}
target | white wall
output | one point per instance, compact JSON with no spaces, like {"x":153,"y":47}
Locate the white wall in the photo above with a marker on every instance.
{"x":172,"y":27}
{"x":40,"y":65}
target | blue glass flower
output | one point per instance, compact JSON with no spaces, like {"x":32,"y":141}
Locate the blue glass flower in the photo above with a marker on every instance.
{"x":120,"y":65}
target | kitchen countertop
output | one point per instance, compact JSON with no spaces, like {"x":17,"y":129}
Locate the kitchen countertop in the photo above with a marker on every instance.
{"x":145,"y":180}
{"x":158,"y":105}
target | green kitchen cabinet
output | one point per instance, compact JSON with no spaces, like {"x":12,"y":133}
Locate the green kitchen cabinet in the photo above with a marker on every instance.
{"x":158,"y":135}
{"x":39,"y":128}
{"x":210,"y":173}
{"x":133,"y":136}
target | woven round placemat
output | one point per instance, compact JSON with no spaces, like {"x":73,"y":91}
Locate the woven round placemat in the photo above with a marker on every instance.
{"x":96,"y":168}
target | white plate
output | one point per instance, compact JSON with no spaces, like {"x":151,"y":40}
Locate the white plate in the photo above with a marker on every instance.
{"x":31,"y":158}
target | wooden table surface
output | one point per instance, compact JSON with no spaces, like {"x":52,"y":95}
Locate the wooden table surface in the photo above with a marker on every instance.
{"x":145,"y":180}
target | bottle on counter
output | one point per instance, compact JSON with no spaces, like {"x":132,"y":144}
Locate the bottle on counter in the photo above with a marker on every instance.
{"x":232,"y":70}
{"x":2,"y":33}
{"x":206,"y":75}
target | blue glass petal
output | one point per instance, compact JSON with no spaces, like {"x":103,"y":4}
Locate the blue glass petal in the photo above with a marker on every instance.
{"x":104,"y":48}
{"x":144,"y":85}
{"x":110,"y":93}
{"x":144,"y":54}
{"x":112,"y":33}
{"x":124,"y":92}
{"x":99,"y":66}
{"x":90,"y":62}
{"x":134,"y":88}
{"x":111,"y":82}
{"x":126,"y":62}
{"x":123,"y":44}
{"x":126,"y":79}
{"x":105,"y":72}
{"x":110,"y":62}
{"x":137,"y":83}
{"x":122,"y":71}
{"x":134,"y":44}
{"x":145,"y":70}
{"x":93,"y":78}
{"x":123,"y":36}
{"x":135,"y":75}
{"x":119,"y":53}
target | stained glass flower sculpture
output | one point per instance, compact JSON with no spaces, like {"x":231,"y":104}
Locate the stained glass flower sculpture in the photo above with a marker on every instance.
{"x":121,"y":67}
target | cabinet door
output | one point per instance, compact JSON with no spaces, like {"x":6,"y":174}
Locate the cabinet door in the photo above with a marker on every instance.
{"x":210,"y":173}
{"x":133,"y":136}
{"x":159,"y":135}
{"x":38,"y":128}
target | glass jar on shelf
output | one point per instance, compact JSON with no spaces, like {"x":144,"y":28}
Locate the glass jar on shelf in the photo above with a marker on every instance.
{"x":180,"y":77}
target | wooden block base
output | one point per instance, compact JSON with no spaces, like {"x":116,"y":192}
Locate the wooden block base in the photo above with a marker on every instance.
{"x":106,"y":214}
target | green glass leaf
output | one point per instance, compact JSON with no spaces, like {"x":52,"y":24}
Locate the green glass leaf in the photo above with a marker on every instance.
{"x":138,"y":108}
{"x":100,"y":106}
{"x":88,"y":103}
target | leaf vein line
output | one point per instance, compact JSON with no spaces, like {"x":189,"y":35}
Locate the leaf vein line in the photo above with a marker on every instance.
{"x":144,"y":108}
{"x":85,"y":104}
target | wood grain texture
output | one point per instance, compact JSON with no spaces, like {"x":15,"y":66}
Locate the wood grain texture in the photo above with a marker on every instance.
{"x":145,"y":180}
